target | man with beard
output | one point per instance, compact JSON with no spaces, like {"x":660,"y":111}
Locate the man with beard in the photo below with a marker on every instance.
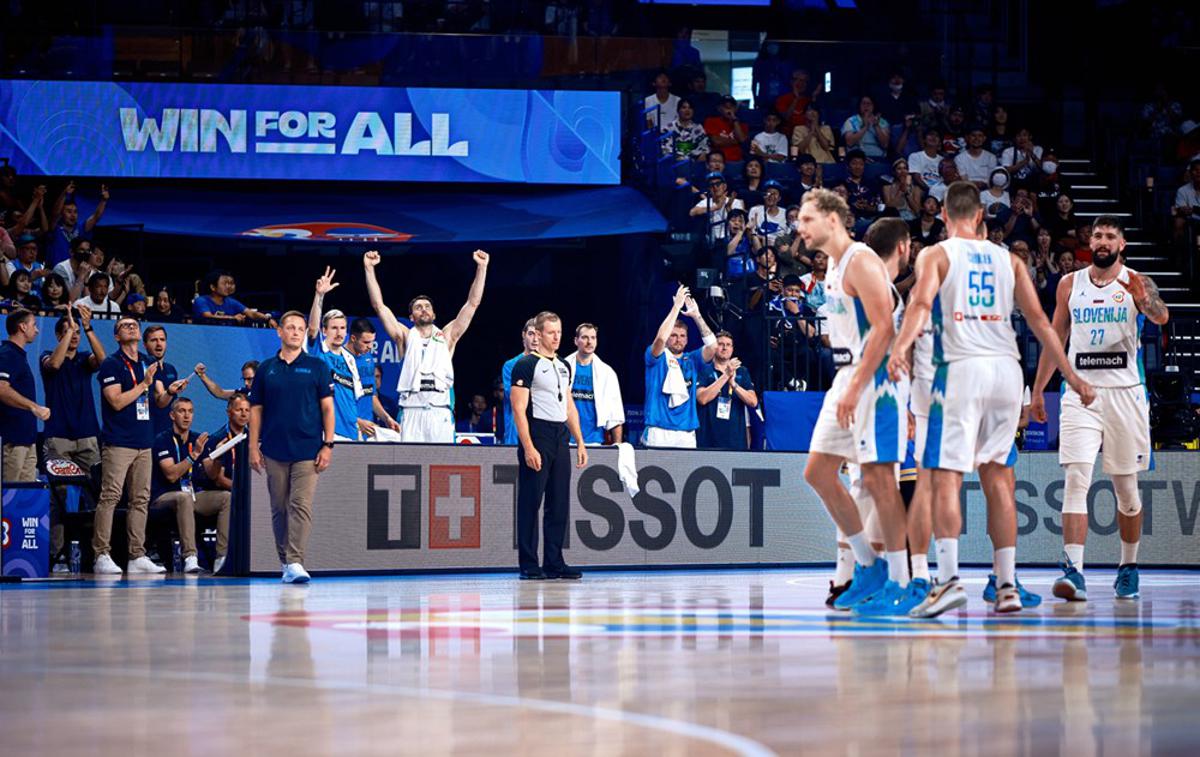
{"x":329,"y":344}
{"x":427,"y":375}
{"x":1100,"y":310}
{"x":528,"y":346}
{"x":671,"y":373}
{"x":167,"y":384}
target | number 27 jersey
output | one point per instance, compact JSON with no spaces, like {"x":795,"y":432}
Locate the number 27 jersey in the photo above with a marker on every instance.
{"x":1106,"y":332}
{"x":972,"y":312}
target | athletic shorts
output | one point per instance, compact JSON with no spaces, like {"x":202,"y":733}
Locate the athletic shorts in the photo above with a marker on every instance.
{"x":668,"y":438}
{"x":879,"y":433}
{"x":974,"y":410}
{"x":918,"y":405}
{"x":427,"y":425}
{"x":1116,"y":424}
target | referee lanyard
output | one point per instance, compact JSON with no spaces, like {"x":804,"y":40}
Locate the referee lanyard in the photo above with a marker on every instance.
{"x":557,"y":378}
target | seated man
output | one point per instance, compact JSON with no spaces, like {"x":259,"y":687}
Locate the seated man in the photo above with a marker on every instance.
{"x":175,"y":453}
{"x":219,"y":306}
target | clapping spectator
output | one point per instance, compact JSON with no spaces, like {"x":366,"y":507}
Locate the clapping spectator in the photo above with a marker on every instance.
{"x":926,"y":165}
{"x":18,"y":222}
{"x":55,"y":295}
{"x":813,"y":138}
{"x":66,"y":225}
{"x":219,"y":306}
{"x":867,"y":131}
{"x":725,"y":131}
{"x":686,"y":139}
{"x":768,"y":221}
{"x":1186,"y":208}
{"x":791,"y":106}
{"x":975,"y":164}
{"x":164,"y":309}
{"x":901,"y":194}
{"x":750,"y":187}
{"x":769,"y":143}
{"x":999,"y":139}
{"x":739,"y":252}
{"x":1022,"y":159}
{"x":1023,"y":222}
{"x":895,"y":102}
{"x":666,"y":103}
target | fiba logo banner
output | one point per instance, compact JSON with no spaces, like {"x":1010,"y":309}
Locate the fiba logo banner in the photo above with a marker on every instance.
{"x":328,"y":231}
{"x":25,"y":531}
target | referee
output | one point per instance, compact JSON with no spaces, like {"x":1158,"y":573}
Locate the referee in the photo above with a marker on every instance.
{"x":544,"y":412}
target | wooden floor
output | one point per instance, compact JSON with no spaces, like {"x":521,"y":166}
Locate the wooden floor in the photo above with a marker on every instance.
{"x":662,"y":663}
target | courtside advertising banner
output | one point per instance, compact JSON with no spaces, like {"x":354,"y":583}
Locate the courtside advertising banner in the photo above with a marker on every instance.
{"x":415,"y":507}
{"x":242,"y":131}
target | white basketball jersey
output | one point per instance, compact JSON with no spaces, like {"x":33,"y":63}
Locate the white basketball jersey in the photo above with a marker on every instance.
{"x":846,"y":320}
{"x":922,"y":363}
{"x":972,"y":313}
{"x":1106,"y":332}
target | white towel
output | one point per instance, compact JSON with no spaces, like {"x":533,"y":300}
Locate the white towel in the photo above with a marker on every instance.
{"x":675,"y":384}
{"x":432,"y":362}
{"x":610,"y":410}
{"x":627,"y":468}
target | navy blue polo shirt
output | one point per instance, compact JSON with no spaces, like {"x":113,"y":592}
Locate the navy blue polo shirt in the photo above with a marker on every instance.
{"x":168,"y":446}
{"x":717,"y":432}
{"x":69,"y":397}
{"x":17,"y":426}
{"x":161,"y":416}
{"x":290,"y":395}
{"x":226,"y":461}
{"x":122,"y":428}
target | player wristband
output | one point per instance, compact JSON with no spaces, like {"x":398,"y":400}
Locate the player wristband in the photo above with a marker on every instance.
{"x":709,"y":340}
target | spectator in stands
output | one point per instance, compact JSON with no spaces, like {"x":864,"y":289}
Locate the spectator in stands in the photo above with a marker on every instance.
{"x":1021,"y":250}
{"x":1045,"y":249}
{"x":1041,"y":260}
{"x":791,"y":256}
{"x":1050,"y":183}
{"x":126,"y":383}
{"x":926,"y":165}
{"x":1022,"y":159}
{"x":948,"y":170}
{"x":219,"y":306}
{"x":901,"y":195}
{"x":725,"y":396}
{"x":769,"y":143}
{"x":928,"y":228}
{"x":20,"y":292}
{"x":714,"y":162}
{"x":167,"y":384}
{"x":935,"y":109}
{"x":810,"y":173}
{"x":995,"y":234}
{"x":529,"y":344}
{"x":479,"y":419}
{"x":867,"y":131}
{"x":985,"y":102}
{"x":704,"y":102}
{"x":54,"y":293}
{"x":813,"y":282}
{"x":19,"y":411}
{"x":769,"y":220}
{"x":999,"y":138}
{"x":995,"y":198}
{"x":771,"y":73}
{"x":813,"y":138}
{"x":864,"y":196}
{"x":165,"y":310}
{"x":34,"y":218}
{"x":124,"y":280}
{"x":791,"y":106}
{"x":97,"y":297}
{"x":714,"y":206}
{"x":1162,"y":115}
{"x":76,"y":269}
{"x":725,"y":131}
{"x":975,"y":164}
{"x":26,"y":260}
{"x":177,"y":454}
{"x":766,"y":281}
{"x":739,"y":251}
{"x":249,"y":369}
{"x":1186,"y":209}
{"x":8,"y":190}
{"x":66,"y":225}
{"x":8,"y":248}
{"x":671,"y":372}
{"x":1082,"y":246}
{"x":954,"y":133}
{"x":750,"y":188}
{"x":895,"y":103}
{"x":666,"y":104}
{"x":686,"y":139}
{"x":1062,"y":223}
{"x":1023,"y":222}
{"x":135,"y":305}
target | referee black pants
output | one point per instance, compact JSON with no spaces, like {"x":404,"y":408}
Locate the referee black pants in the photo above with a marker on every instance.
{"x":554,"y":481}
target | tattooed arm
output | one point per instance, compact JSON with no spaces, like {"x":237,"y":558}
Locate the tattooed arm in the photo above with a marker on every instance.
{"x":1145,"y":295}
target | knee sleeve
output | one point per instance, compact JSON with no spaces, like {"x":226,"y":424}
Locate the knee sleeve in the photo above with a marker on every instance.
{"x":1129,"y":499}
{"x":1078,"y":478}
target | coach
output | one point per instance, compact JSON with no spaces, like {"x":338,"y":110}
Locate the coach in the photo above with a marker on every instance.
{"x":291,"y":438}
{"x":19,"y":413}
{"x":544,"y":413}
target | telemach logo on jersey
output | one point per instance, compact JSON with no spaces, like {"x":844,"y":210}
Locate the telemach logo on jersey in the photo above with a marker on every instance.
{"x":986,"y":317}
{"x":1091,"y":361}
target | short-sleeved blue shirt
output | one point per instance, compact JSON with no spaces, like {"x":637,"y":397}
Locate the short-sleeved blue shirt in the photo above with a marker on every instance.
{"x":510,"y":426}
{"x":206,"y":304}
{"x":58,"y":242}
{"x":584,"y":393}
{"x":122,"y":428}
{"x":366,"y":376}
{"x":69,"y":397}
{"x":723,"y":433}
{"x":290,"y":395}
{"x":345,"y":406}
{"x":200,"y":478}
{"x":161,"y":416}
{"x":659,"y":413}
{"x":17,"y":426}
{"x":168,"y":446}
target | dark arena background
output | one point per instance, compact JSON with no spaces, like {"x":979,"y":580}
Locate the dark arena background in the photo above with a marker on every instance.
{"x":188,"y":566}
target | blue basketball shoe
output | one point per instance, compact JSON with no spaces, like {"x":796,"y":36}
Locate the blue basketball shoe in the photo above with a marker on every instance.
{"x":866,"y":582}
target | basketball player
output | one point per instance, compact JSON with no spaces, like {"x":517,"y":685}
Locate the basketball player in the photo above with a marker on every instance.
{"x":861,"y":418}
{"x":427,"y":376}
{"x":966,"y":286}
{"x":1100,"y":311}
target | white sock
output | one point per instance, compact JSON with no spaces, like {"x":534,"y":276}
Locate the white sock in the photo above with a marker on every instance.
{"x":1129,"y":552}
{"x":947,"y":559}
{"x":863,"y":553}
{"x":920,"y":567}
{"x":845,"y":566}
{"x":1004,"y":562}
{"x":898,"y":567}
{"x":1075,"y":552}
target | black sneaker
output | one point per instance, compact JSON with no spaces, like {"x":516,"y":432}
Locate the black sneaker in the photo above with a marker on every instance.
{"x":533,"y":575}
{"x":835,"y":592}
{"x":565,"y":573}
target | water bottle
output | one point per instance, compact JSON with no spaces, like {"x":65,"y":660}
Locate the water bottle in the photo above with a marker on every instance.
{"x":76,"y":558}
{"x":177,"y":553}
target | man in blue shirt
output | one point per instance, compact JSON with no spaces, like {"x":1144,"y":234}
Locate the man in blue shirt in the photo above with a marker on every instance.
{"x":671,"y":374}
{"x":126,"y":384}
{"x":217,"y":474}
{"x":362,"y":346}
{"x":725,"y":395}
{"x":177,"y":453}
{"x":329,"y":344}
{"x":595,"y":389}
{"x":66,"y":226}
{"x":291,"y":438}
{"x":388,"y":410}
{"x":529,"y":343}
{"x":167,"y":384}
{"x":219,"y":306}
{"x":19,"y":413}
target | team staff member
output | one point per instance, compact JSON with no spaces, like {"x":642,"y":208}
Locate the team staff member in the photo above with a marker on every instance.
{"x":671,"y":419}
{"x":726,"y":393}
{"x":291,"y":438}
{"x":218,"y":473}
{"x":329,"y":344}
{"x":248,"y":370}
{"x":529,"y":344}
{"x":544,"y":414}
{"x":167,"y":385}
{"x":19,"y":413}
{"x":126,"y":382}
{"x":595,"y":389}
{"x":176,"y":456}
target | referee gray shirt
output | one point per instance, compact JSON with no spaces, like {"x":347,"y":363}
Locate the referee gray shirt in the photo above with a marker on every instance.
{"x":549,"y":384}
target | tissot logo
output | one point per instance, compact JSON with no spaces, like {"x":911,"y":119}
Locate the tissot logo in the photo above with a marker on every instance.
{"x":454,"y":494}
{"x":393,"y":507}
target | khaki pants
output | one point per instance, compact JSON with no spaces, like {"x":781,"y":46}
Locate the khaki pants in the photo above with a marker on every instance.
{"x":83,"y":452}
{"x":124,"y":468}
{"x":205,"y":503}
{"x":291,"y":486}
{"x":19,"y":463}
